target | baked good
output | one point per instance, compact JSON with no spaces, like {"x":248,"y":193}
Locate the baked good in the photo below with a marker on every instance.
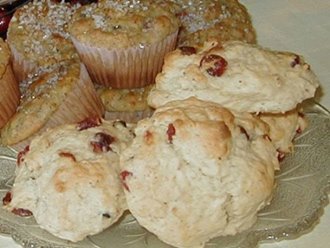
{"x":237,"y":75}
{"x":195,"y":171}
{"x":38,"y":37}
{"x":123,"y":43}
{"x":68,"y":178}
{"x":220,"y":20}
{"x":57,"y":94}
{"x":283,"y":128}
{"x":129,"y":105}
{"x":9,"y":91}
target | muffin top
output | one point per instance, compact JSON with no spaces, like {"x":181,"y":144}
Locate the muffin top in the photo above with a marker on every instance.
{"x":4,"y":56}
{"x":38,"y":31}
{"x":207,"y":172}
{"x":42,"y":94}
{"x":237,"y":75}
{"x":122,"y":24}
{"x":124,"y":100}
{"x":69,"y":176}
{"x":221,"y":20}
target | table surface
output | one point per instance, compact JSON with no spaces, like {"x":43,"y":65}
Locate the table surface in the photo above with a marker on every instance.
{"x":301,"y":26}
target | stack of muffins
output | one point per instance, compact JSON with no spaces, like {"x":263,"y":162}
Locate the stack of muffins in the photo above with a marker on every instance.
{"x":215,"y":115}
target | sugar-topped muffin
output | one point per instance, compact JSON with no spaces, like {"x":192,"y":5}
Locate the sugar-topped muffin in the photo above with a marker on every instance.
{"x":68,"y":178}
{"x":9,"y":91}
{"x":195,"y":171}
{"x":56,"y":94}
{"x":37,"y":35}
{"x":123,"y":43}
{"x":206,"y":20}
{"x":237,"y":75}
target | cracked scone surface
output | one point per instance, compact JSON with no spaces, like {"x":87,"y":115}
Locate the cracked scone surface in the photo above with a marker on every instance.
{"x":69,"y":178}
{"x":195,"y":171}
{"x":237,"y":75}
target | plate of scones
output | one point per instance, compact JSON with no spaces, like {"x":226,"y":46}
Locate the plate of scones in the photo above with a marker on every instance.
{"x":148,"y":123}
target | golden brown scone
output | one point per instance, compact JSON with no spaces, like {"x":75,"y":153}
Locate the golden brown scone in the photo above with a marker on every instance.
{"x":58,"y":94}
{"x":68,"y":178}
{"x":284,"y":127}
{"x":195,"y":171}
{"x":9,"y":91}
{"x":239,"y":76}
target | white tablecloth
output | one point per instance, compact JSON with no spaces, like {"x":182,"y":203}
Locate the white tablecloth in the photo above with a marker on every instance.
{"x":301,"y":26}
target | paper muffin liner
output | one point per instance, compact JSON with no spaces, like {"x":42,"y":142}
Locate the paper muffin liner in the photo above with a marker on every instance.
{"x":82,"y":102}
{"x":21,"y":66}
{"x":129,"y":117}
{"x":133,"y":67}
{"x":9,"y":95}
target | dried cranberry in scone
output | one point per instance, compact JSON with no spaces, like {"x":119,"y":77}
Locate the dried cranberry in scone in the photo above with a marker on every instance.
{"x":170,"y":132}
{"x":89,"y":123}
{"x":187,"y":50}
{"x":21,"y":154}
{"x":215,"y":65}
{"x":101,"y":142}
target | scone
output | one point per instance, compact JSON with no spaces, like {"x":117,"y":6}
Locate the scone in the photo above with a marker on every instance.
{"x":237,"y":75}
{"x":220,"y":20}
{"x":129,"y":105}
{"x":38,"y":37}
{"x":195,"y":171}
{"x":68,"y":178}
{"x":283,"y":128}
{"x":58,"y":94}
{"x":123,"y":43}
{"x":9,"y":91}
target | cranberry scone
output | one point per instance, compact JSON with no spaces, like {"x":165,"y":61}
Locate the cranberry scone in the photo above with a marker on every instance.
{"x":68,"y":178}
{"x":195,"y":171}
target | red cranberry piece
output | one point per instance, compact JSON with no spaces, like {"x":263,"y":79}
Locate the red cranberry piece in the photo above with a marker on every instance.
{"x":216,"y":65}
{"x":5,"y":18}
{"x":102,"y":142}
{"x":170,"y":132}
{"x":21,"y":154}
{"x":22,"y":212}
{"x":7,"y":199}
{"x":123,"y":175}
{"x":68,"y":155}
{"x":296,"y":61}
{"x":299,"y":130}
{"x":89,"y":123}
{"x":187,"y":50}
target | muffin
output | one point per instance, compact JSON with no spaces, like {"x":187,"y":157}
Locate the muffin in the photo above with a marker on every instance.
{"x":220,"y":20}
{"x":239,"y":76}
{"x":129,"y":105}
{"x":37,"y":36}
{"x":206,"y":173}
{"x":58,"y":94}
{"x":9,"y":91}
{"x":123,"y":43}
{"x":68,"y":179}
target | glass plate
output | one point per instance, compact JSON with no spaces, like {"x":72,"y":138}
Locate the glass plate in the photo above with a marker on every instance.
{"x":299,"y":199}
